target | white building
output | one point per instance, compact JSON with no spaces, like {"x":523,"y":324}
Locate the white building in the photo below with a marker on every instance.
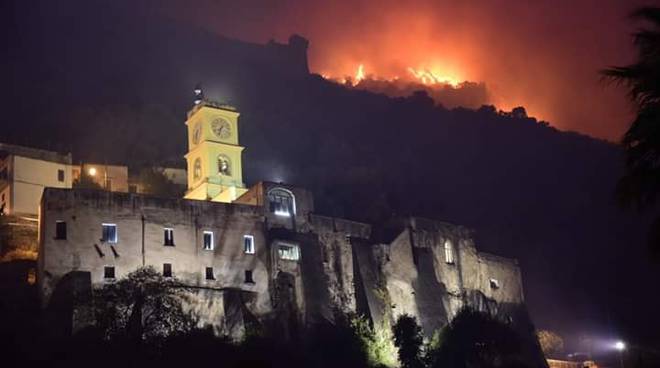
{"x":25,"y":172}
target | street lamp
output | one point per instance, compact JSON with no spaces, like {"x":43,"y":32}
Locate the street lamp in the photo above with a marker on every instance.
{"x":620,"y":346}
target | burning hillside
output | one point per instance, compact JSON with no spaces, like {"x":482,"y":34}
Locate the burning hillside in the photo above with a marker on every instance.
{"x":447,"y":90}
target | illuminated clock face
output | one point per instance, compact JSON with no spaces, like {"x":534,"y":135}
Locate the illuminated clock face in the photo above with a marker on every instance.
{"x":197,"y":132}
{"x":221,"y":128}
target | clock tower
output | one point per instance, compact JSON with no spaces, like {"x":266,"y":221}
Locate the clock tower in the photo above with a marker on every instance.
{"x":215,"y":170}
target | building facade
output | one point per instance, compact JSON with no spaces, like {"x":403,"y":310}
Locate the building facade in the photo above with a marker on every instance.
{"x":25,"y":172}
{"x":263,"y":254}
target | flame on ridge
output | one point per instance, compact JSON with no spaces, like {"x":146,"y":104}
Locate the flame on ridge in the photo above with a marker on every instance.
{"x":359,"y":75}
{"x":421,"y":75}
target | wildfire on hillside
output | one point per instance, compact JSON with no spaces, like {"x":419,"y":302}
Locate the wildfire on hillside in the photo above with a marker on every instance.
{"x":424,"y":76}
{"x":448,"y":90}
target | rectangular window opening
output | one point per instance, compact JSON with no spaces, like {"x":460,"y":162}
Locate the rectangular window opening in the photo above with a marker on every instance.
{"x":248,"y":277}
{"x":209,"y":273}
{"x":248,"y":244}
{"x":494,"y":284}
{"x":289,"y":252}
{"x":108,"y":272}
{"x":168,"y":236}
{"x":281,"y":205}
{"x":167,"y":270}
{"x":208,"y":240}
{"x":109,"y":234}
{"x":60,"y":230}
{"x":60,"y":175}
{"x":449,"y":253}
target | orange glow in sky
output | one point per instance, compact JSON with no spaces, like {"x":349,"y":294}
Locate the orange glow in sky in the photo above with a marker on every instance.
{"x":542,"y":55}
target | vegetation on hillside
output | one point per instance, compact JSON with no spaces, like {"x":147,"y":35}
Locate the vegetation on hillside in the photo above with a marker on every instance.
{"x":141,"y":321}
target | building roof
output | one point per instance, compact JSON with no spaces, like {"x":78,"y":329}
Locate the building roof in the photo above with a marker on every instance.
{"x":34,"y":153}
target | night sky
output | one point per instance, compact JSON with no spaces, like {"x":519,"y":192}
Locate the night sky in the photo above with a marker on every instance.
{"x":111,"y":81}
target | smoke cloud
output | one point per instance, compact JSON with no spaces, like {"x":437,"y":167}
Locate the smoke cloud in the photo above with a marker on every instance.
{"x":543,"y":55}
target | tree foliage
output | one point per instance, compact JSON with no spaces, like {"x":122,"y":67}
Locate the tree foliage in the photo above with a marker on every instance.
{"x":377,"y":341}
{"x":476,"y":339}
{"x":640,"y":184}
{"x":142,"y":306}
{"x":155,"y":182}
{"x":409,"y":340}
{"x":85,"y":181}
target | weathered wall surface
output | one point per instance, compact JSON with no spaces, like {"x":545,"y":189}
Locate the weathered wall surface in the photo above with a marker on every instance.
{"x":27,"y":178}
{"x":421,"y":279}
{"x":427,"y":269}
{"x":140,"y":222}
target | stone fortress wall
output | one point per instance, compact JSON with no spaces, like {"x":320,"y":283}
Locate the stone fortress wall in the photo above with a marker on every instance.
{"x":337,"y":267}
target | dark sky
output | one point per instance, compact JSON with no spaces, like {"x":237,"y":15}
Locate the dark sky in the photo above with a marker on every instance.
{"x":544,"y":55}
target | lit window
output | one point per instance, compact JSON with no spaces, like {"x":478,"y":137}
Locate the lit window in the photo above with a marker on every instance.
{"x":209,"y":273}
{"x":494,"y":284}
{"x":248,"y":244}
{"x":168,"y":236}
{"x":167,"y":270}
{"x":449,"y":252}
{"x":289,"y":252}
{"x":60,"y":230}
{"x":108,"y":272}
{"x":208,"y":240}
{"x":282,"y":202}
{"x":109,"y":234}
{"x":60,"y":175}
{"x":248,"y":277}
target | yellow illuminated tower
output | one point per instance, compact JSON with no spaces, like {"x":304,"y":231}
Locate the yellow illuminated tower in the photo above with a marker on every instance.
{"x":215,"y":170}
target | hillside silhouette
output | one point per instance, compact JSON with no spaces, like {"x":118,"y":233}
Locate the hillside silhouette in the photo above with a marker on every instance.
{"x":116,"y":89}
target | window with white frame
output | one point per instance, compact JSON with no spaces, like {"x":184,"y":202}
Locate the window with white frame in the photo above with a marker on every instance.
{"x":168,"y":236}
{"x":281,"y":202}
{"x":248,"y":244}
{"x":449,"y":252}
{"x":494,"y":284}
{"x":289,"y":252}
{"x":109,"y":233}
{"x":207,"y":240}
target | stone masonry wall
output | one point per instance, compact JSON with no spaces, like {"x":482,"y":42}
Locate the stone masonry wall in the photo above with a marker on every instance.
{"x":140,"y":221}
{"x":340,"y":268}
